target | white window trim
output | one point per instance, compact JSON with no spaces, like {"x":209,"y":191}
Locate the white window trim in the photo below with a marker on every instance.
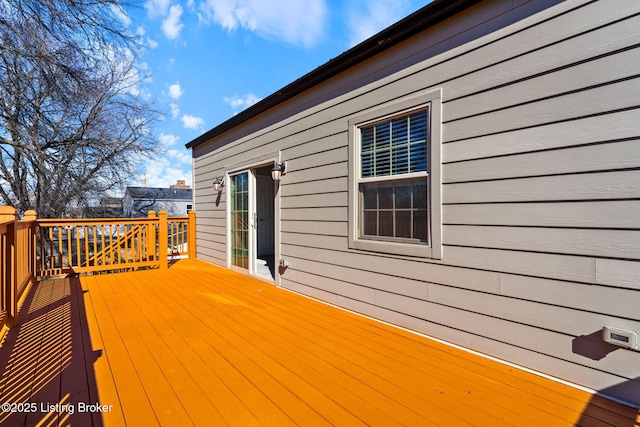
{"x":427,"y":98}
{"x":389,"y":177}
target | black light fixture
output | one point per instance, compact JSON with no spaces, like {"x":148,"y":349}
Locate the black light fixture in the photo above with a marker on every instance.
{"x":218,"y":183}
{"x":278,"y":170}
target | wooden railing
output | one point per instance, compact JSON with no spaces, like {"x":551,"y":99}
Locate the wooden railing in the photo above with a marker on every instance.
{"x":17,"y":261}
{"x":32,"y":248}
{"x":93,"y":245}
{"x":106,"y":248}
{"x":180,"y":234}
{"x":80,"y":246}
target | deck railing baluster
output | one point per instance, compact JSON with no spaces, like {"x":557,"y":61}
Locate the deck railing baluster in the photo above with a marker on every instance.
{"x":60,"y":244}
{"x":126,"y":232}
{"x":95,"y":240}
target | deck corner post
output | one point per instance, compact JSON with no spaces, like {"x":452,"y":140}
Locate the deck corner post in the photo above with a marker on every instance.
{"x":163,"y":238}
{"x":10,"y":277}
{"x":7,"y":213}
{"x":191,"y":239}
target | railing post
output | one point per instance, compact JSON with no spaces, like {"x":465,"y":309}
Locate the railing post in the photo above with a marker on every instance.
{"x":163,"y":238}
{"x":31,"y":216}
{"x":10,"y":288}
{"x":191,"y":239}
{"x":151,"y":237}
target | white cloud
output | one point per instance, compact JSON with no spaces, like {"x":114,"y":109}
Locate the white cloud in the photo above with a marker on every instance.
{"x":175,"y":91}
{"x":179,"y":156}
{"x":173,"y":164}
{"x":175,"y":110}
{"x":141,"y":33}
{"x":299,"y":22}
{"x":367,"y":17}
{"x":157,"y":8}
{"x":239,"y":103}
{"x":172,"y":26}
{"x":168,"y":140}
{"x":192,"y":122}
{"x":163,"y":172}
{"x":121,"y":15}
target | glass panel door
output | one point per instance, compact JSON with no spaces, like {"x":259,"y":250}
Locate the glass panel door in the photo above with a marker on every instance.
{"x":240,"y":220}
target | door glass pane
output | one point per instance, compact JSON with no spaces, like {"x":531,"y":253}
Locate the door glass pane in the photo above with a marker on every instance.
{"x":240,"y":220}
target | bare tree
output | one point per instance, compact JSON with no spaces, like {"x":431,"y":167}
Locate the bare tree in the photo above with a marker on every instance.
{"x":73,"y":121}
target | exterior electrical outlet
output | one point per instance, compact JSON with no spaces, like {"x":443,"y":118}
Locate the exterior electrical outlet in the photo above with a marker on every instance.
{"x":620,"y":337}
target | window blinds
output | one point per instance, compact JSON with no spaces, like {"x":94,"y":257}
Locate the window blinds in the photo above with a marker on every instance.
{"x":394,"y":147}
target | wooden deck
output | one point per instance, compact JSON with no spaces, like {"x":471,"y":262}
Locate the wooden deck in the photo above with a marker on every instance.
{"x":200,"y":345}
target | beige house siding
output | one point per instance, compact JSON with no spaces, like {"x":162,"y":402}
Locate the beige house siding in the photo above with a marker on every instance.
{"x":540,"y":187}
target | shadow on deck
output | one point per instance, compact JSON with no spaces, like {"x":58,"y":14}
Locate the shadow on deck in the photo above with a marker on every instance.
{"x":201,"y":345}
{"x":47,"y":360}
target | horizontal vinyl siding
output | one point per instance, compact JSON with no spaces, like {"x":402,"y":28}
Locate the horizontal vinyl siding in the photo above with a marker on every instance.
{"x":574,"y":241}
{"x":608,"y":214}
{"x":541,"y":197}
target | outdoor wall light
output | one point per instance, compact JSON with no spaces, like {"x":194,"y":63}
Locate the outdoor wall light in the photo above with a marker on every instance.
{"x":218,"y":183}
{"x":278,"y":170}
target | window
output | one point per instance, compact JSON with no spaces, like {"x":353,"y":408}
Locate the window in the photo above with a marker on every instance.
{"x":394,"y":210}
{"x":393,"y":178}
{"x":395,"y":158}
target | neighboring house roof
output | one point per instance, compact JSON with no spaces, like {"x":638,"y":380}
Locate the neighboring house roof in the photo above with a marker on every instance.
{"x":153,"y":193}
{"x":103,"y":212}
{"x":111,"y":201}
{"x":413,"y":24}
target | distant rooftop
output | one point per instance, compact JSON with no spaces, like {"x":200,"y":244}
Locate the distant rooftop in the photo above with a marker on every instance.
{"x":181,"y":183}
{"x":155,"y":193}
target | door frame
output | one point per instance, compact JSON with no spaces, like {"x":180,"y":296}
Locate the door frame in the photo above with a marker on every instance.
{"x":250,"y":166}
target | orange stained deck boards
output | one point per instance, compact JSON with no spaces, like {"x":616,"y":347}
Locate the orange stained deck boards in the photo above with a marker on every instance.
{"x":313,"y":356}
{"x":200,"y":345}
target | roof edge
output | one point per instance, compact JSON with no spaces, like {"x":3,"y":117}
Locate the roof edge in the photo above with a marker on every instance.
{"x":418,"y":21}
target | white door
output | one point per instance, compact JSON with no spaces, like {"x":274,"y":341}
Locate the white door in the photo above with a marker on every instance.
{"x":251,"y":209}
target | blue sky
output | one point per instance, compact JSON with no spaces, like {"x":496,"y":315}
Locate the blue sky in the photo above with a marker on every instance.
{"x":207,"y":60}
